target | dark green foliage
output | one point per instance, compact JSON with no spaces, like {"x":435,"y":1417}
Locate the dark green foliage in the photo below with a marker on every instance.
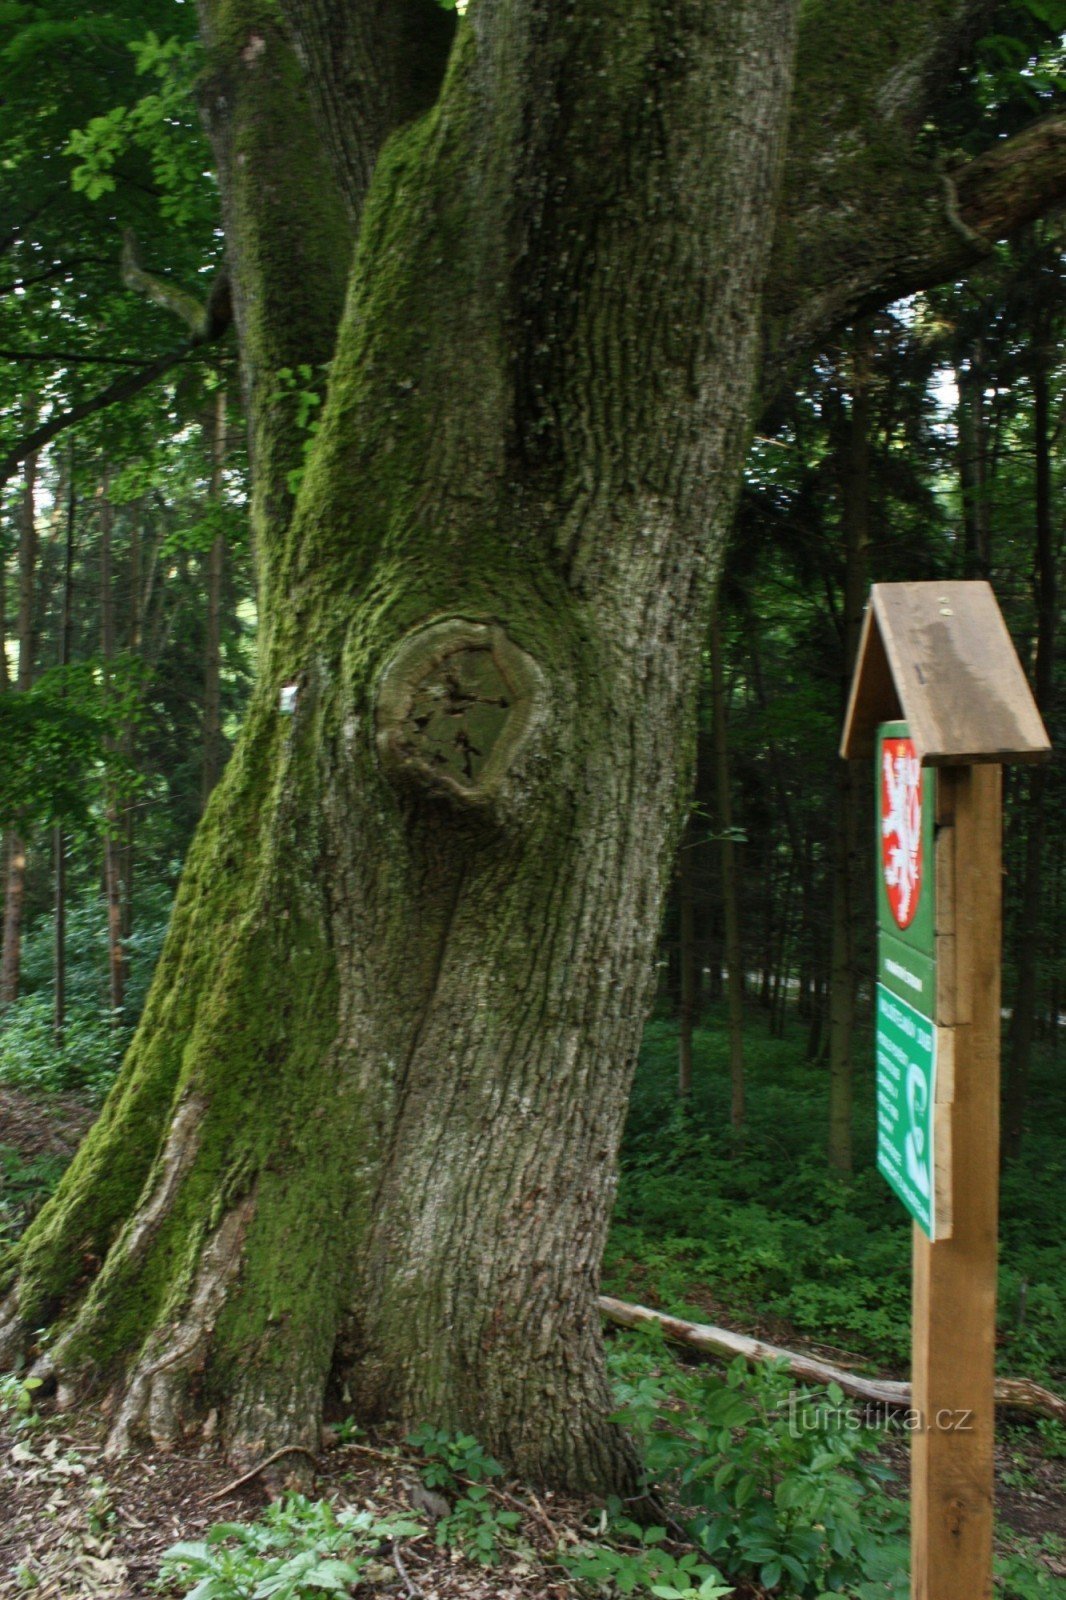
{"x":94,"y":1040}
{"x":781,"y":1485}
{"x":25,"y":1183}
{"x":58,"y":740}
{"x":765,"y":1233}
{"x":475,"y":1522}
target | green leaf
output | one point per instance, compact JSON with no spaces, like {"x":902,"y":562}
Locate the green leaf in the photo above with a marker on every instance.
{"x":745,"y":1489}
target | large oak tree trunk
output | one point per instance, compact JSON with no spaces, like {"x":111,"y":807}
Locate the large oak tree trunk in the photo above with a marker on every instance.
{"x":368,"y":1127}
{"x":367,"y":1130}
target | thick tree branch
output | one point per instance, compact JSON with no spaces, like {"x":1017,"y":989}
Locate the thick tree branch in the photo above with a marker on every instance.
{"x":868,"y":211}
{"x":1022,"y":1393}
{"x":1013,"y":183}
{"x":170,"y":296}
{"x":919,"y":224}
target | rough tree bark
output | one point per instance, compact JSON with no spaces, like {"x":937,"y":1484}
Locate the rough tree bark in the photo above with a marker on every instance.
{"x":367,"y":1130}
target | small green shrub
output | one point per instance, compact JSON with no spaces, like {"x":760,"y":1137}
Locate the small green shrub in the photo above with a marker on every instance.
{"x":636,"y":1562}
{"x":25,"y":1184}
{"x":17,"y":1403}
{"x":780,"y":1485}
{"x":477,"y":1522}
{"x":86,"y":1061}
{"x":1022,"y":1574}
{"x":299,"y":1549}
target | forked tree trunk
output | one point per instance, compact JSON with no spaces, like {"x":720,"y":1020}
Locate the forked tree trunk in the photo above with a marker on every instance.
{"x":367,"y":1129}
{"x":369,"y":1123}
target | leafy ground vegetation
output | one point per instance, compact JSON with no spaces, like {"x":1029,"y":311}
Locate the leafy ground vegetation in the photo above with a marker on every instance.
{"x":760,"y":1232}
{"x":755,"y":1487}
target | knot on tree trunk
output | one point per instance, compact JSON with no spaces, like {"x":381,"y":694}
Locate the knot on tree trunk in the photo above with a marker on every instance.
{"x":456,"y":705}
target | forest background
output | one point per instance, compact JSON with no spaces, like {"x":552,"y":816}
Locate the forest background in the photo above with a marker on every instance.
{"x":927,"y":442}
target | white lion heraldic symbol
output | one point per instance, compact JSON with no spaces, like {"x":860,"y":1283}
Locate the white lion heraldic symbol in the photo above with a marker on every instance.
{"x":903,"y":824}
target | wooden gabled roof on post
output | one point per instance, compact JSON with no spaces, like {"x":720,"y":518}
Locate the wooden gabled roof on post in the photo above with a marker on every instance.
{"x":939,"y":656}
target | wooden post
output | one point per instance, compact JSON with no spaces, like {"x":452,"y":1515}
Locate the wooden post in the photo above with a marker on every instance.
{"x":938,"y":657}
{"x":955,"y":1278}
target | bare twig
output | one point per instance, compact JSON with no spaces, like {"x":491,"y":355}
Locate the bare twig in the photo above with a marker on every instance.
{"x":238,"y":1483}
{"x":368,"y":1450}
{"x":408,"y":1582}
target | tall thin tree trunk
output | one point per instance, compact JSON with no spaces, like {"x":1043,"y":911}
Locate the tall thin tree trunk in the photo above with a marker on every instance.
{"x":974,"y":465}
{"x":15,"y":853}
{"x":730,"y":880}
{"x":112,"y":821}
{"x":688,"y":959}
{"x":1028,"y":944}
{"x":212,"y":756}
{"x":135,"y":638}
{"x":59,"y":841}
{"x":783,"y":963}
{"x":844,"y":974}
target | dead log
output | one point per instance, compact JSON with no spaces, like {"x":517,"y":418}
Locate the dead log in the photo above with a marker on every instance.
{"x":1022,"y":1393}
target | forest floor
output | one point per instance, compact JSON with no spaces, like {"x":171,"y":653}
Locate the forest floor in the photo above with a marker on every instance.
{"x":76,"y":1525}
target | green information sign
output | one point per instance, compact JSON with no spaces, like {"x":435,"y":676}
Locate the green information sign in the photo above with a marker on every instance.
{"x":906,"y":973}
{"x":906,"y":1096}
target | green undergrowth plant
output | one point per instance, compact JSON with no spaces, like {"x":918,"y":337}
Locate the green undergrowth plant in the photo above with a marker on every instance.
{"x":1022,"y":1573}
{"x":628,"y":1559}
{"x":25,"y":1184}
{"x":299,"y":1549}
{"x":17,"y":1403}
{"x":95,"y":1038}
{"x":85,"y":1062}
{"x":780,"y":1486}
{"x":478,"y":1521}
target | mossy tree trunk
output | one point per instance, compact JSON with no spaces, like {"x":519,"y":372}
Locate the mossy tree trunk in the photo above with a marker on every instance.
{"x":367,"y":1130}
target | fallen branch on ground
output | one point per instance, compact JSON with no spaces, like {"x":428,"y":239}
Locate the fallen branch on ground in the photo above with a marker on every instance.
{"x":246,"y":1477}
{"x":1020,"y":1392}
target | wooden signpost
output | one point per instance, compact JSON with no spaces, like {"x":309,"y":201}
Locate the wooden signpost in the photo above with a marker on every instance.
{"x":937,"y":685}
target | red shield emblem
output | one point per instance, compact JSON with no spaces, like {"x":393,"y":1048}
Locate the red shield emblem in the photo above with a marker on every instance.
{"x":901,"y":828}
